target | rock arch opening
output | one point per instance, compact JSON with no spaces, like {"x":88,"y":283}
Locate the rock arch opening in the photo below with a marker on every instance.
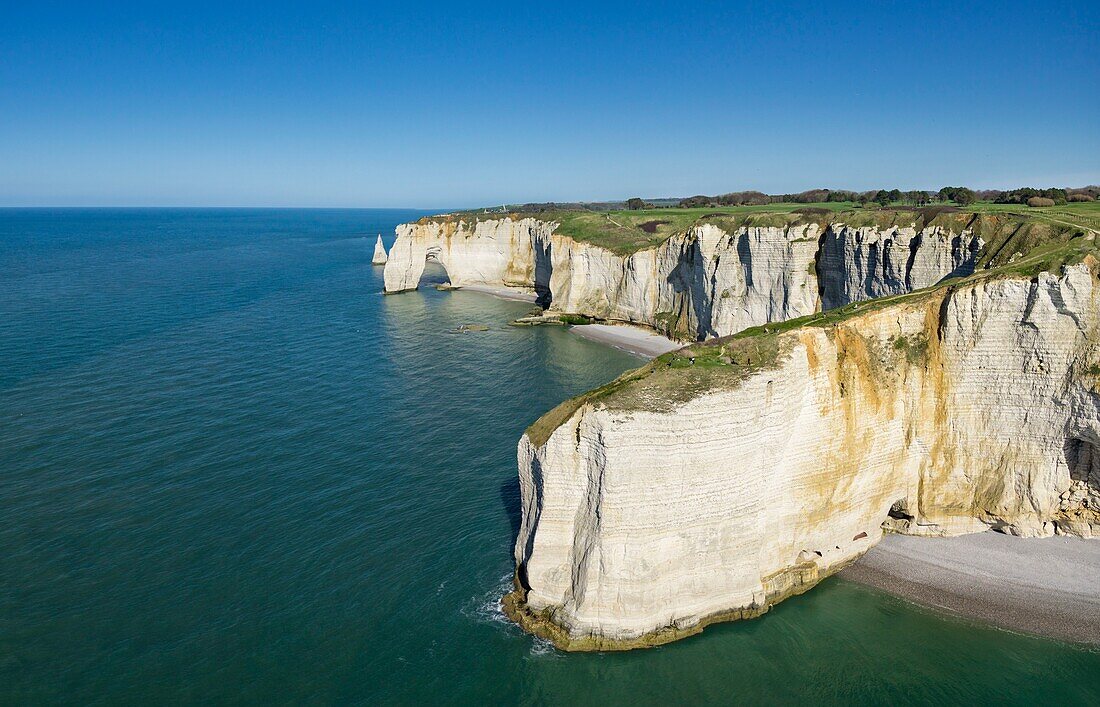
{"x":435,"y":272}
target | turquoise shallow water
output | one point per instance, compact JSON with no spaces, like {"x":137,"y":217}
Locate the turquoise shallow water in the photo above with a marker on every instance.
{"x":232,"y":472}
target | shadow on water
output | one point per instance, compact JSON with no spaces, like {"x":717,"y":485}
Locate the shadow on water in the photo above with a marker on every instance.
{"x":510,"y":498}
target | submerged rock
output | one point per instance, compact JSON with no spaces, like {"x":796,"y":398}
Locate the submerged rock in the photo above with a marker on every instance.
{"x":538,"y":320}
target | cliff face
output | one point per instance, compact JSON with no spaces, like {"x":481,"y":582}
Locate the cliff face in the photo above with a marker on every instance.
{"x":864,"y":263}
{"x":702,"y":284}
{"x":718,"y":480}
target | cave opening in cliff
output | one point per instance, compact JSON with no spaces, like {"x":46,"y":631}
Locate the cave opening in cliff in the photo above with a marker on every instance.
{"x":900,"y":510}
{"x":1083,"y":459}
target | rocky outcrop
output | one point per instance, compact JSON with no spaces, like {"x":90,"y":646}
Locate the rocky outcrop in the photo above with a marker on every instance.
{"x":705,"y":283}
{"x":499,"y":252}
{"x":723,"y":478}
{"x":379,"y":253}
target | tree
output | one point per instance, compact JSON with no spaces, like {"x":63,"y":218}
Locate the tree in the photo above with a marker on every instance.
{"x":1021,"y":196}
{"x":695,"y":202}
{"x":960,"y":195}
{"x":634,"y":203}
{"x":964,"y":196}
{"x":920,"y":198}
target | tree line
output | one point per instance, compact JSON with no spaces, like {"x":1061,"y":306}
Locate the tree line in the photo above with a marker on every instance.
{"x":961,"y":196}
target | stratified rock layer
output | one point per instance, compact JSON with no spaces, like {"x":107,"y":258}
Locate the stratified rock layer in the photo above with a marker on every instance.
{"x":682,"y":495}
{"x":701,"y":284}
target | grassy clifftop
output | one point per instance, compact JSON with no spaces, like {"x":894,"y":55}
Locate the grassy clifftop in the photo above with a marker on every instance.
{"x":681,"y":375}
{"x":625,"y":232}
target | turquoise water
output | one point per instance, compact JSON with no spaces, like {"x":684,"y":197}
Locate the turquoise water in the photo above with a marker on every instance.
{"x":232,"y":472}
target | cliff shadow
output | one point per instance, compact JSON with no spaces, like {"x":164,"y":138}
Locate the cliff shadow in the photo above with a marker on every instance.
{"x":688,"y":282}
{"x":510,"y":499}
{"x":544,"y":268}
{"x":964,"y":258}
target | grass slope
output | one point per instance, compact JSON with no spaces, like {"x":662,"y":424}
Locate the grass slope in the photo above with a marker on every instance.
{"x":681,"y":375}
{"x":625,"y":232}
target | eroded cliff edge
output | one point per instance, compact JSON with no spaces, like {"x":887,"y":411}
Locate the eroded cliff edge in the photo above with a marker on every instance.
{"x":722,"y":478}
{"x":718,"y":276}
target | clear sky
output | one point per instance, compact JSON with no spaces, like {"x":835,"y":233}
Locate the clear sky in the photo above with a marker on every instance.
{"x":461,"y":104}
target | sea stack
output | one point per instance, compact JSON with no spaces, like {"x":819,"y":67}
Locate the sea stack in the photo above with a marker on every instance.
{"x":379,"y":252}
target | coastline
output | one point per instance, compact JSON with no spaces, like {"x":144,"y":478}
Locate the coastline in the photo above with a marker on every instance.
{"x":1042,"y":586}
{"x":511,"y":293}
{"x":635,"y":340}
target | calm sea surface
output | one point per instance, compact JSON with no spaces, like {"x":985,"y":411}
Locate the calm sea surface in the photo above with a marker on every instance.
{"x":232,"y":471}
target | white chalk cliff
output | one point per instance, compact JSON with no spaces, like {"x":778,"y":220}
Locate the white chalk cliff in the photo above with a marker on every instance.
{"x":717,"y":481}
{"x":701,"y":284}
{"x":379,"y":253}
{"x":722,"y":478}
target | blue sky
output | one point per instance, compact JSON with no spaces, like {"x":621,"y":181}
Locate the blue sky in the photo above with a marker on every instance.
{"x":460,"y":104}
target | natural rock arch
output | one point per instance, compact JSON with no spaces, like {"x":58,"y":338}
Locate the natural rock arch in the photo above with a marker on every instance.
{"x":428,"y":274}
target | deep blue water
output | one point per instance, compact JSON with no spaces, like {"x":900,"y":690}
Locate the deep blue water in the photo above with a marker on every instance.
{"x":231,"y":471}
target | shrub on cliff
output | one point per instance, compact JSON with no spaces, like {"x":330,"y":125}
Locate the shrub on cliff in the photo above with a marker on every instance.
{"x":634,"y":203}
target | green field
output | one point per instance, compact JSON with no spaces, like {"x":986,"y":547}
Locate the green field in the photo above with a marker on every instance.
{"x":1085,"y":213}
{"x":625,"y":232}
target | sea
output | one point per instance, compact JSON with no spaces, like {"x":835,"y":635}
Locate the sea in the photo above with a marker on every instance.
{"x":233,"y":472}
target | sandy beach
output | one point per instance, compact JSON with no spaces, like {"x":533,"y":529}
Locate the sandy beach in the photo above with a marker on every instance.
{"x":636,"y":340}
{"x":1045,"y":586}
{"x":502,"y":292}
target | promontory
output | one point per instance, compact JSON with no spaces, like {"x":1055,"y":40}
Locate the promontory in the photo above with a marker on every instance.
{"x":846,"y":373}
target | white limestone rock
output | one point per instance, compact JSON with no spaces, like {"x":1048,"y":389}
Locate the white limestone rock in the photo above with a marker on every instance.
{"x":379,"y":253}
{"x":702,"y":284}
{"x":497,"y":252}
{"x":647,"y":514}
{"x":864,"y":263}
